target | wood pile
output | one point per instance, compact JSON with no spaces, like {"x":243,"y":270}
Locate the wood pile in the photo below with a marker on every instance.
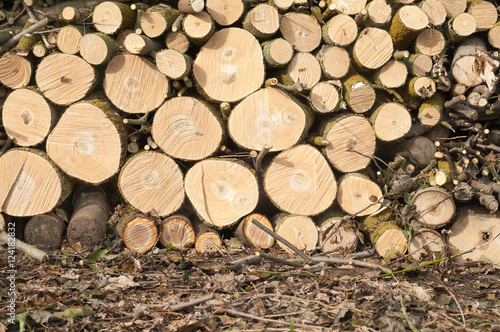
{"x":319,"y":119}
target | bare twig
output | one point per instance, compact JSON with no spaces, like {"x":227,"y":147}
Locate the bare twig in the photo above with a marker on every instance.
{"x":278,"y":260}
{"x":455,"y":298}
{"x":12,"y":41}
{"x":252,"y":259}
{"x":258,"y":160}
{"x":184,"y":305}
{"x":331,"y":261}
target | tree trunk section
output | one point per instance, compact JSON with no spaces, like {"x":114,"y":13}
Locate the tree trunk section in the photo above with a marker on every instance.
{"x":97,"y":48}
{"x":324,"y":98}
{"x":303,"y":70}
{"x":252,"y":235}
{"x":390,"y":121}
{"x":158,"y":19}
{"x":334,"y":61}
{"x":435,"y":11}
{"x":427,"y":245}
{"x":460,"y":26}
{"x":372,"y":49}
{"x":68,"y":38}
{"x":178,"y":232}
{"x":378,"y":14}
{"x":336,"y":235}
{"x":430,"y":42}
{"x":177,"y":41}
{"x":138,"y":232}
{"x":262,"y":21}
{"x":301,"y":30}
{"x":277,"y":52}
{"x":15,"y":70}
{"x":45,"y":231}
{"x":112,"y":17}
{"x":340,"y":30}
{"x":386,"y":235}
{"x":225,"y":12}
{"x":430,"y":112}
{"x":174,"y":64}
{"x":406,"y":25}
{"x":434,"y":206}
{"x":392,"y":75}
{"x":198,"y":27}
{"x":358,"y":93}
{"x":358,"y":195}
{"x":208,"y":240}
{"x":300,"y":231}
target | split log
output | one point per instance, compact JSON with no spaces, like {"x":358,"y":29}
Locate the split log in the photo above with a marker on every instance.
{"x":427,"y":245}
{"x":225,"y":12}
{"x":300,"y":231}
{"x":45,"y":231}
{"x":221,"y":190}
{"x":152,"y":183}
{"x":178,"y":232}
{"x":434,"y":206}
{"x":68,"y":38}
{"x":268,"y":117}
{"x":89,"y":141}
{"x":336,"y":235}
{"x":27,"y":117}
{"x":31,"y":183}
{"x":15,"y":70}
{"x":138,"y":232}
{"x":358,"y":195}
{"x":97,"y":48}
{"x":390,"y":121}
{"x":252,"y":235}
{"x":157,"y":20}
{"x":301,"y":30}
{"x":385,"y":234}
{"x":300,"y":181}
{"x":472,"y":230}
{"x":112,"y":17}
{"x":91,"y":211}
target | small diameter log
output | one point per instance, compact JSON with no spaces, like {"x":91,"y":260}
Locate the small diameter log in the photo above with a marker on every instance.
{"x":390,"y":121}
{"x":277,"y":52}
{"x":300,"y":181}
{"x":434,"y":206}
{"x":89,"y":141}
{"x":140,"y":44}
{"x":15,"y":70}
{"x":386,"y":235}
{"x":262,"y":21}
{"x":112,"y":17}
{"x":68,"y":38}
{"x":185,"y":128}
{"x":174,"y":64}
{"x":419,"y":64}
{"x":454,"y":7}
{"x":208,"y":240}
{"x":351,"y":142}
{"x":419,"y":150}
{"x":191,"y":6}
{"x":418,"y":88}
{"x":46,"y":230}
{"x":157,"y":20}
{"x":239,"y":55}
{"x":430,"y":42}
{"x":484,"y":13}
{"x":152,"y":183}
{"x":282,"y":5}
{"x":430,"y":112}
{"x":406,"y":24}
{"x":177,"y":41}
{"x":221,"y":190}
{"x":97,"y":48}
{"x":494,"y":36}
{"x":128,"y":84}
{"x":64,"y":78}
{"x":27,"y":117}
{"x":336,"y":235}
{"x":378,"y":14}
{"x":324,"y":97}
{"x":358,"y":195}
{"x":252,"y":123}
{"x":74,"y":15}
{"x":91,"y":212}
{"x":334,"y":61}
{"x":464,"y":66}
{"x":341,"y":30}
{"x":460,"y":26}
{"x":435,"y":11}
{"x":304,"y":69}
{"x":252,"y":235}
{"x":349,"y":7}
{"x":392,"y":75}
{"x":31,"y":183}
{"x":225,"y":12}
{"x":471,"y":230}
{"x":427,"y":245}
{"x":300,"y":231}
{"x":198,"y":27}
{"x":301,"y":30}
{"x":372,"y":49}
{"x":178,"y":232}
{"x":138,"y":232}
{"x":358,"y":93}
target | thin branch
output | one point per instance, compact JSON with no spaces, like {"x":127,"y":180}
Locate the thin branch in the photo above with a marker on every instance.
{"x":258,"y":160}
{"x":278,"y":260}
{"x":29,"y":250}
{"x":184,"y":305}
{"x":14,"y":40}
{"x":455,"y":298}
{"x":331,"y":261}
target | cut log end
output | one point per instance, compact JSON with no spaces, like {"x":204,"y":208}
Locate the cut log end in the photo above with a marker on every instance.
{"x":139,"y":234}
{"x":45,"y":231}
{"x":15,"y":70}
{"x":341,"y":30}
{"x":208,"y":242}
{"x":334,"y":61}
{"x":435,"y":11}
{"x":301,"y":30}
{"x":300,"y":231}
{"x":337,"y":236}
{"x":358,"y":195}
{"x":427,"y":245}
{"x":373,"y":48}
{"x":225,"y":12}
{"x":178,"y":232}
{"x":391,"y":121}
{"x":435,"y":207}
{"x":324,"y":98}
{"x":253,"y":235}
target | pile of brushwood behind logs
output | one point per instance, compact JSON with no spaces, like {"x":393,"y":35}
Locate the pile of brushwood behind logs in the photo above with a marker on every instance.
{"x":322,"y":121}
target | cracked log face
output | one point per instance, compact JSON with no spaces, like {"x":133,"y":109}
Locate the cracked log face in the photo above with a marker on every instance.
{"x":229,"y":66}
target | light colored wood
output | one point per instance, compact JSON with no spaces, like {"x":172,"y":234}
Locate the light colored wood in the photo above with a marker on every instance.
{"x":391,"y":121}
{"x":454,"y":7}
{"x":301,"y":30}
{"x":336,"y":235}
{"x":134,"y":85}
{"x":112,"y":17}
{"x":68,"y":38}
{"x":140,"y":44}
{"x":15,"y":70}
{"x":282,"y":5}
{"x":304,"y":69}
{"x":324,"y":98}
{"x":358,"y":93}
{"x":372,"y":49}
{"x":27,"y":117}
{"x":262,"y":21}
{"x":221,"y":190}
{"x":340,"y":30}
{"x":484,"y":13}
{"x":427,"y":245}
{"x":385,"y":234}
{"x":64,"y":78}
{"x":185,"y":128}
{"x":419,"y":64}
{"x":406,"y":24}
{"x":392,"y":75}
{"x":152,"y":182}
{"x":349,"y":7}
{"x":174,"y":64}
{"x":268,"y":117}
{"x":177,"y":41}
{"x":157,"y":20}
{"x":198,"y":27}
{"x":225,"y":12}
{"x":208,"y":240}
{"x":88,"y":142}
{"x":300,"y":181}
{"x":191,"y":6}
{"x":76,"y":15}
{"x":461,"y":26}
{"x":230,"y":65}
{"x":421,"y":87}
{"x":430,"y":112}
{"x":358,"y":195}
{"x":277,"y":52}
{"x":177,"y":231}
{"x":97,"y":48}
{"x":334,"y":61}
{"x":378,"y":14}
{"x":300,"y":231}
{"x":435,"y":11}
{"x":252,"y":235}
{"x":347,"y":135}
{"x":138,"y":232}
{"x":30,"y":183}
{"x":494,"y":36}
{"x":434,"y":206}
{"x":464,"y":63}
{"x":430,"y":42}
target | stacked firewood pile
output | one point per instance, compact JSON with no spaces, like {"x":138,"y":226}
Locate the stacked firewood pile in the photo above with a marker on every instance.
{"x":321,"y":120}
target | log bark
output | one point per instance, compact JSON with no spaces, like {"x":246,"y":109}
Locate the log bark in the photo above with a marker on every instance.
{"x":385,"y":234}
{"x":138,"y":232}
{"x":252,"y":235}
{"x":300,"y":231}
{"x":177,"y":231}
{"x":45,"y":231}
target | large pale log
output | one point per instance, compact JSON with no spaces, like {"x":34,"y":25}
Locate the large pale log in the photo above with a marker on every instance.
{"x":112,"y":17}
{"x":358,"y":195}
{"x":427,"y":245}
{"x":15,"y":70}
{"x":157,"y":20}
{"x":434,"y":206}
{"x":89,"y":141}
{"x":372,"y":49}
{"x":230,"y":65}
{"x":152,"y":183}
{"x":391,"y":121}
{"x":27,"y":117}
{"x":134,"y":85}
{"x":97,"y":48}
{"x":225,"y":12}
{"x":340,"y":30}
{"x":186,"y":128}
{"x":351,"y":142}
{"x":300,"y":181}
{"x":252,"y":235}
{"x":64,"y":78}
{"x":68,"y":38}
{"x":138,"y":232}
{"x":262,"y":21}
{"x":300,"y":231}
{"x":406,"y":24}
{"x":268,"y":117}
{"x":385,"y":234}
{"x":178,"y":232}
{"x":334,"y":61}
{"x":31,"y":183}
{"x":301,"y":30}
{"x":46,"y":230}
